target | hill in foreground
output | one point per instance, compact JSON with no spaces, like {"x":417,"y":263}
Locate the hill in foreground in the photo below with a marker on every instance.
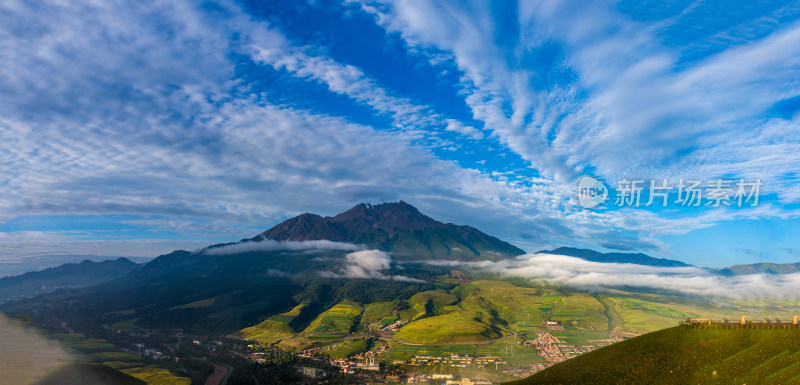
{"x":682,"y":355}
{"x":88,"y":374}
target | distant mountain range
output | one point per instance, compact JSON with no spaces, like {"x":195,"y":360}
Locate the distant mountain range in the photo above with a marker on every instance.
{"x":762,"y":268}
{"x":66,"y":275}
{"x":596,"y":256}
{"x":644,"y":259}
{"x":398,"y":228}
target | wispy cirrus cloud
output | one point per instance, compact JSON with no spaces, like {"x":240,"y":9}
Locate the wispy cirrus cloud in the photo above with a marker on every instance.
{"x":592,"y":88}
{"x":576,"y":88}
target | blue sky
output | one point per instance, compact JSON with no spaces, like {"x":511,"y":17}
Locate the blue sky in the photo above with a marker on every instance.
{"x":135,"y":128}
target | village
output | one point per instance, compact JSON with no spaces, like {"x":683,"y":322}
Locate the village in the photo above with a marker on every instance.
{"x":422,"y":368}
{"x":442,"y":368}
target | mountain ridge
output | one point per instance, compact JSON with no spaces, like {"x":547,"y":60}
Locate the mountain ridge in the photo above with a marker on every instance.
{"x":596,"y":256}
{"x":394,"y":227}
{"x":761,"y":268}
{"x":66,"y":275}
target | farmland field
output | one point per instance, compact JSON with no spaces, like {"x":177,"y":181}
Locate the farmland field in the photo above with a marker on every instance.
{"x":335,"y":322}
{"x":154,"y":375}
{"x":274,"y":328}
{"x":348,"y":348}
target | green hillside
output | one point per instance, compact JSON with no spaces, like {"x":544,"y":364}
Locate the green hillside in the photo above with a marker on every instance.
{"x":275,"y":327}
{"x":335,"y":322}
{"x":428,"y":303}
{"x":348,"y":348}
{"x":682,"y":355}
{"x":457,"y":327}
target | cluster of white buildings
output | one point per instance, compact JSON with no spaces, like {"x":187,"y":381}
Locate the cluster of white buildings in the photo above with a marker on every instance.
{"x":456,"y":360}
{"x":395,"y":326}
{"x":443,"y":378}
{"x":149,"y":352}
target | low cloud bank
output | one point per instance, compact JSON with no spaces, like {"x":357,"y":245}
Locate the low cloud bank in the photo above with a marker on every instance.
{"x":26,"y":357}
{"x":576,"y":272}
{"x":272,"y":245}
{"x":368,"y":264}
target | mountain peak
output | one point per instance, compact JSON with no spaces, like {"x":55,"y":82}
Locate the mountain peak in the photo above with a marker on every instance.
{"x":304,"y":227}
{"x":367,"y":209}
{"x":393,"y":226}
{"x":392,"y":217}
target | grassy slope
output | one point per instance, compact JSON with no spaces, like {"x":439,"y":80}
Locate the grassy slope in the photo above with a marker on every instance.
{"x":456,"y":327}
{"x":349,"y":348}
{"x":427,"y":303}
{"x":335,"y":322}
{"x":275,"y":327}
{"x":154,"y":375}
{"x":686,"y":356}
{"x":377,"y":311}
{"x":581,"y":311}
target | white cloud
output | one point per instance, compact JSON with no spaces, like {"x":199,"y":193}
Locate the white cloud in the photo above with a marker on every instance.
{"x":579,"y":273}
{"x":28,"y":356}
{"x":368,"y":264}
{"x":469,"y":131}
{"x":272,"y":245}
{"x":373,"y":260}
